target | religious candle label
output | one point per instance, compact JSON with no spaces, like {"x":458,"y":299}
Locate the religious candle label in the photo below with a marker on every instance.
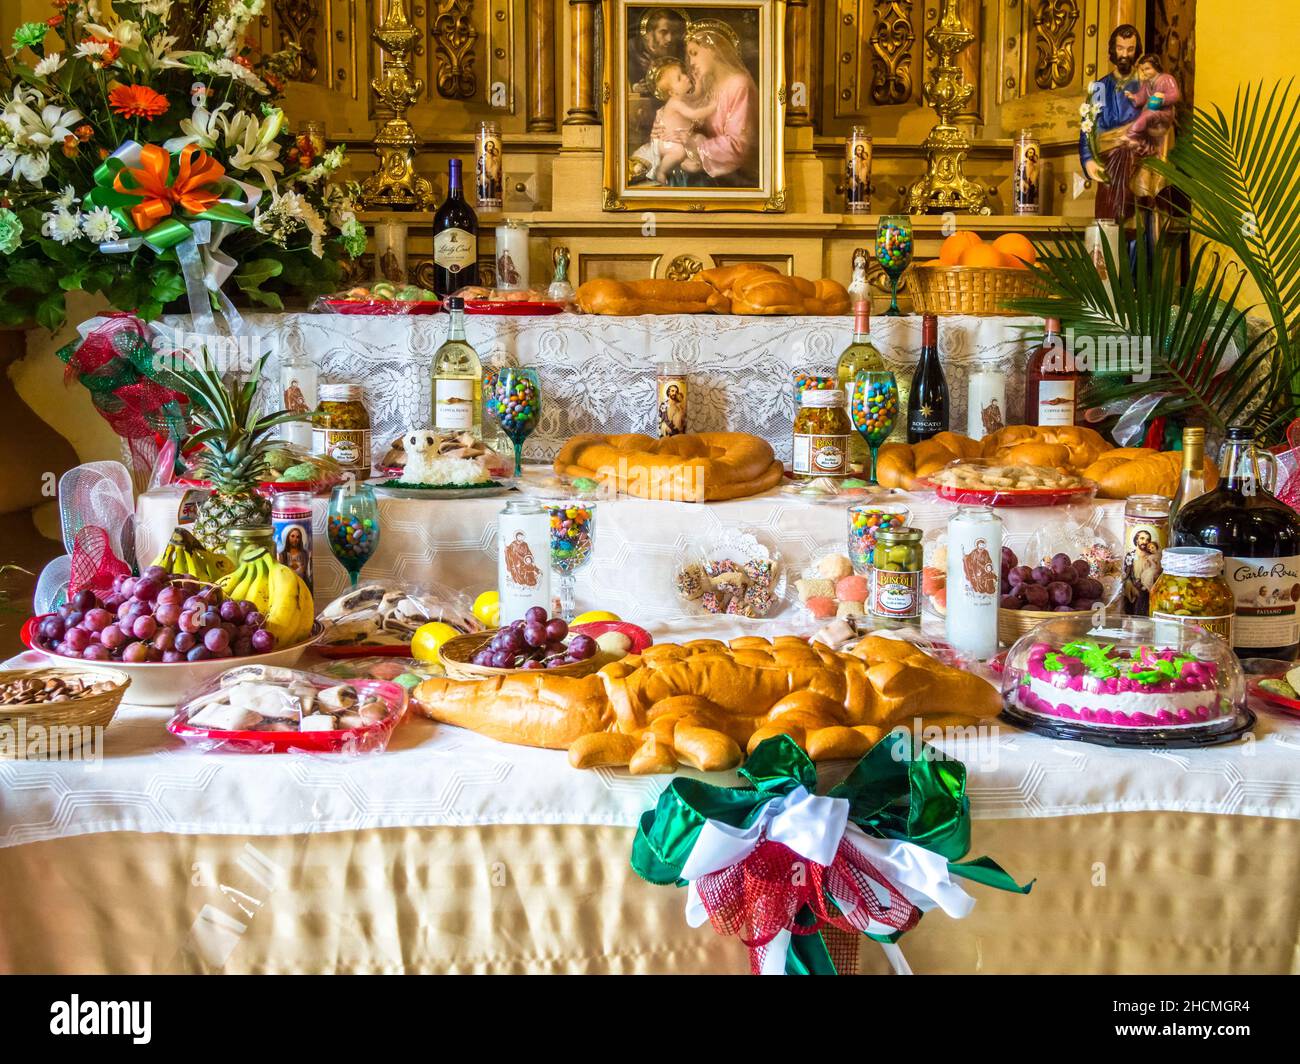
{"x":1266,"y":591}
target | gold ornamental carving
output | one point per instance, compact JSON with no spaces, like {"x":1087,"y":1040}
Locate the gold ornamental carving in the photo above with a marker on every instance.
{"x":453,"y":38}
{"x":395,"y":184}
{"x":296,"y":21}
{"x":683,"y":268}
{"x":1054,"y":27}
{"x":891,"y":52}
{"x":945,"y":186}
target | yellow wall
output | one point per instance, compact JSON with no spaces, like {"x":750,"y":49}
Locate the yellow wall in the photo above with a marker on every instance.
{"x":1236,"y":42}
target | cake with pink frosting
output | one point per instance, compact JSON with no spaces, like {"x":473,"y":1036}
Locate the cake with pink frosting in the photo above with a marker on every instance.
{"x":1090,"y":683}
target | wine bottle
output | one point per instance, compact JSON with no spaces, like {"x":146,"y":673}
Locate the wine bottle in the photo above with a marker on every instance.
{"x":861,"y":354}
{"x":1051,"y":385}
{"x":1260,"y":539}
{"x":457,"y":379}
{"x":927,"y":402}
{"x":1191,"y":484}
{"x":455,"y":239}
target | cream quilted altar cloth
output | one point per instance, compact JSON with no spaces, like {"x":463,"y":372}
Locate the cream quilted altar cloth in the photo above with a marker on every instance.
{"x":598,"y":373}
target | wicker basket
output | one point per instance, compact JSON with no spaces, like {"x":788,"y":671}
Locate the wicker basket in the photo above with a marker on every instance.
{"x":456,"y":654}
{"x":979,"y":290}
{"x":1012,"y":624}
{"x":93,"y":712}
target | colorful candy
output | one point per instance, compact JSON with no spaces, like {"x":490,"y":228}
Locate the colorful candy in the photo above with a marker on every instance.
{"x":893,"y":247}
{"x":517,"y":406}
{"x":864,"y":523}
{"x":873,"y":408}
{"x":810,"y":382}
{"x":352,"y":538}
{"x":571,"y":536}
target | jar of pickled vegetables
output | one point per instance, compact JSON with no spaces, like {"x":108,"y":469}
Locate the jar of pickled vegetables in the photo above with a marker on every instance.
{"x":340,"y":428}
{"x":1191,"y":589}
{"x":894,"y":596}
{"x":821,"y":434}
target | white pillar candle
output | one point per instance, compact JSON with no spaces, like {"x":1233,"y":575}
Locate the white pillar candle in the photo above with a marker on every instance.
{"x":512,"y":255}
{"x":986,"y":403}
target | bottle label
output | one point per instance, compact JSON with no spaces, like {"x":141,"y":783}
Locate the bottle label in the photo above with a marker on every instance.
{"x":895,"y":594}
{"x":1267,"y":591}
{"x":1221,"y":626}
{"x":453,"y":404}
{"x":349,"y":447}
{"x":1145,"y":538}
{"x":455,"y":250}
{"x":1056,"y":402}
{"x":820,"y":456}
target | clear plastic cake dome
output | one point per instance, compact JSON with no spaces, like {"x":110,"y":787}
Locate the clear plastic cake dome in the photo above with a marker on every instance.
{"x":1125,"y":681}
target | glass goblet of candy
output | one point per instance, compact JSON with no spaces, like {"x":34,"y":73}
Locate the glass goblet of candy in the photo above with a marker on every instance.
{"x":573,"y":533}
{"x":518,"y":406}
{"x":873,"y":409}
{"x":894,"y":253}
{"x":352,"y":526}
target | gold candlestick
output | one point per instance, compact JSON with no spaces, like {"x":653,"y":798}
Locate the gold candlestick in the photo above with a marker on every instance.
{"x":945,"y":186}
{"x":395,"y":183}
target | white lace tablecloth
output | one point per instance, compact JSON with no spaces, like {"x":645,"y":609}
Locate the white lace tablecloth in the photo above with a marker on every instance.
{"x":637,"y":545}
{"x":598,"y":373}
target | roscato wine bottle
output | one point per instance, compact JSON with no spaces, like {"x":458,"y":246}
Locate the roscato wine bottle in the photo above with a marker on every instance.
{"x":927,"y":402}
{"x":455,"y":239}
{"x":1260,"y":539}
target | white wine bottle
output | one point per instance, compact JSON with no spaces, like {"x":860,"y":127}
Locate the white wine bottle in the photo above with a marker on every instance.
{"x":457,"y":379}
{"x":1191,"y":485}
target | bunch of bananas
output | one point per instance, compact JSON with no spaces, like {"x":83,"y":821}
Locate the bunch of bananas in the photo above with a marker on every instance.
{"x":184,"y":555}
{"x":277,"y":592}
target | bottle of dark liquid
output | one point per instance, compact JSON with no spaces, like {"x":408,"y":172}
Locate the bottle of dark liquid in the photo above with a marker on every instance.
{"x":927,"y":402}
{"x":1260,"y":540}
{"x":1051,"y":384}
{"x":455,"y":239}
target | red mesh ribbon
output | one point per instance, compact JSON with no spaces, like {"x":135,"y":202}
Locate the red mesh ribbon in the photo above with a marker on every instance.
{"x":1289,"y":492}
{"x":760,"y":896}
{"x":94,"y":565}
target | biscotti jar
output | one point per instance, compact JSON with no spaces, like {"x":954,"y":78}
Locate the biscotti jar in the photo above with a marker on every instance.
{"x":340,"y":428}
{"x":1191,"y":590}
{"x":894,"y":595}
{"x":821,"y":435}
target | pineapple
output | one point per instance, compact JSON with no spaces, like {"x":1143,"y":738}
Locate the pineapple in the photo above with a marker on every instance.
{"x":235,"y":443}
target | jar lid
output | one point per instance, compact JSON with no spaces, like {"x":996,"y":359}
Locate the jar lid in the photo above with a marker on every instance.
{"x":898,"y":535}
{"x":248,"y":532}
{"x":513,"y":223}
{"x":523,"y":506}
{"x":341,"y":393}
{"x":822,"y":397}
{"x":1191,"y":561}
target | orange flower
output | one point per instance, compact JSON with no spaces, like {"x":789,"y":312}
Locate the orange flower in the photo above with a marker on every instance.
{"x":137,"y":101}
{"x":70,"y":146}
{"x":84,"y":132}
{"x":54,"y":21}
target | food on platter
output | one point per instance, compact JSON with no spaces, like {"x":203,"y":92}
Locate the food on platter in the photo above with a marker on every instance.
{"x":732,"y":573}
{"x":1287,"y":686}
{"x":1127,"y":471}
{"x":981,"y":476}
{"x":623,"y":298}
{"x":1070,"y":448}
{"x":904,"y":465}
{"x":535,"y":641}
{"x":832,"y":589}
{"x":287,"y":465}
{"x":184,"y":555}
{"x":1062,"y":585}
{"x":706,"y":703}
{"x":826,"y":489}
{"x":158,"y":617}
{"x":382,"y":297}
{"x":378,"y":615}
{"x":40,"y":691}
{"x":503,"y":295}
{"x":405,"y":672}
{"x":277,"y":593}
{"x":430,"y":459}
{"x":754,"y":288}
{"x":692,"y":467}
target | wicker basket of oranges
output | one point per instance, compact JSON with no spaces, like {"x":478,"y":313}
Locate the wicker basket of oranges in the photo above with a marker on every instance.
{"x":972,"y":276}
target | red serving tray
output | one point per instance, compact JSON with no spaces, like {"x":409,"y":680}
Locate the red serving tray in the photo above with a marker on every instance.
{"x":271,"y":487}
{"x":382,"y":306}
{"x":639,"y":636}
{"x":641,"y":639}
{"x":1000,"y":497}
{"x":365,"y":650}
{"x":324,"y":742}
{"x":1287,"y":705}
{"x":512,"y":306}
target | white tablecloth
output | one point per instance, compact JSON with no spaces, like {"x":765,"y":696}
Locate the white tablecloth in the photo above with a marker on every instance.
{"x":597,"y":373}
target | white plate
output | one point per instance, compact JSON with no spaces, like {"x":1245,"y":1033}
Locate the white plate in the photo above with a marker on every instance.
{"x":158,"y":683}
{"x":503,"y":486}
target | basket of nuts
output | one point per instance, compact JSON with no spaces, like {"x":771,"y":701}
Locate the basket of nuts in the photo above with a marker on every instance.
{"x":67,"y":699}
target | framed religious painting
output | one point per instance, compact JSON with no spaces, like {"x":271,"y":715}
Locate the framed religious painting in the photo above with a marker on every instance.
{"x":694,"y":105}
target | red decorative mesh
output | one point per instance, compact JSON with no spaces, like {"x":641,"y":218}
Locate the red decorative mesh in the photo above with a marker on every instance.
{"x":93,"y":562}
{"x":761,"y":896}
{"x":99,"y":349}
{"x":1289,"y":492}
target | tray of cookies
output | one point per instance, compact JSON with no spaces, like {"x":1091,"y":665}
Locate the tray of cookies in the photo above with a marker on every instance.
{"x":982,"y":483}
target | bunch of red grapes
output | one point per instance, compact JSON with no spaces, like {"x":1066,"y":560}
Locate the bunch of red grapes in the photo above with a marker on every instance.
{"x":1062,"y":585}
{"x":155,"y":617}
{"x":535,"y":642}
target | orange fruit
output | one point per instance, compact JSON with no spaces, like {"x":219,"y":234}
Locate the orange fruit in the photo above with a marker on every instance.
{"x":952,"y":249}
{"x":982,"y":254}
{"x":1017,"y":248}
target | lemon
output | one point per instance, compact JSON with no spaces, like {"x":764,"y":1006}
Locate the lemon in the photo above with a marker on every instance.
{"x":428,"y":640}
{"x":487,"y":608}
{"x":591,"y":616}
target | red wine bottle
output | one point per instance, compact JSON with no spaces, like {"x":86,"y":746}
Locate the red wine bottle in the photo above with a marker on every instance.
{"x":455,"y":239}
{"x":927,"y":403}
{"x":1259,"y":536}
{"x":1051,"y":386}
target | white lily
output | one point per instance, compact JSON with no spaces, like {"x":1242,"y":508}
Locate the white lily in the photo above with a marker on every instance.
{"x":252,"y":145}
{"x":125,"y":32}
{"x":31,"y":167}
{"x":204,"y":128}
{"x":39,"y":130}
